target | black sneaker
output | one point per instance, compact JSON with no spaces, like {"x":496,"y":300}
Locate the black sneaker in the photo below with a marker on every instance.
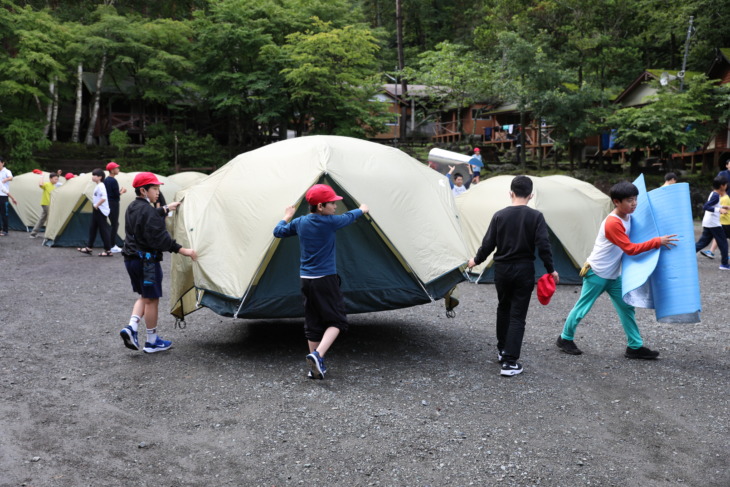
{"x":511,"y":368}
{"x":568,"y":346}
{"x":641,"y":353}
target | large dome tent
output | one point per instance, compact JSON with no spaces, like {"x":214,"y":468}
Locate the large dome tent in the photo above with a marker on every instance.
{"x":573,"y":211}
{"x":408,"y":250}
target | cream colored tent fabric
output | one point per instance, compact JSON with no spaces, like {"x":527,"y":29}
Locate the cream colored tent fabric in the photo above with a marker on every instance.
{"x":228,"y":218}
{"x":186,"y":178}
{"x":25,"y":190}
{"x":573,"y":211}
{"x":76,"y":196}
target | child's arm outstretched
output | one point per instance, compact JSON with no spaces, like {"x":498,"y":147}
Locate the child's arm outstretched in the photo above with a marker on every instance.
{"x":616,"y":234}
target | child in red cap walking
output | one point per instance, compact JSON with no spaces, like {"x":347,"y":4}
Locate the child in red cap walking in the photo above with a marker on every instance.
{"x":324,"y":304}
{"x":145,"y":241}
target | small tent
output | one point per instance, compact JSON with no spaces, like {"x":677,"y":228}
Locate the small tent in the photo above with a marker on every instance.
{"x":25,"y":190}
{"x":573,"y":211}
{"x":69,"y":214}
{"x":408,"y":250}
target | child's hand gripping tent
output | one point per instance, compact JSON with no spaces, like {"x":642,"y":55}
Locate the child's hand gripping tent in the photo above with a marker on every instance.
{"x":408,"y":250}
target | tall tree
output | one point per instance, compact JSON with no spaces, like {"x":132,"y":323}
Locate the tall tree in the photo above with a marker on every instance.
{"x":331,"y":79}
{"x":453,"y":83}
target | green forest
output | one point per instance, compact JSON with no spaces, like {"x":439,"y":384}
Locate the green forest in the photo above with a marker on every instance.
{"x":208,"y":79}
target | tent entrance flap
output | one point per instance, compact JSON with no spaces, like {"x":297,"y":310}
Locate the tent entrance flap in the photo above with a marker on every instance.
{"x":561,"y":261}
{"x":373,"y":279}
{"x":76,"y":231}
{"x":14,"y":221}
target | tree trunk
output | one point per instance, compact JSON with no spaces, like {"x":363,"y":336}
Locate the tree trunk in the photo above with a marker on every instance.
{"x":401,"y":65}
{"x":539,"y":144}
{"x":49,"y":109}
{"x":571,"y":155}
{"x":54,"y":116}
{"x":89,"y":139}
{"x":523,"y":142}
{"x":79,"y":100}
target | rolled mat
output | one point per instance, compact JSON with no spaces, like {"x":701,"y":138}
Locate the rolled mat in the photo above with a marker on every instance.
{"x":665,"y":280}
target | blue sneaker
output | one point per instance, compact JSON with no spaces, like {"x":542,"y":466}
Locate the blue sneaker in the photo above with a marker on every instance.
{"x":130,"y":337}
{"x":159,"y":346}
{"x":724,"y":267}
{"x":708,"y":254}
{"x":316,"y":365}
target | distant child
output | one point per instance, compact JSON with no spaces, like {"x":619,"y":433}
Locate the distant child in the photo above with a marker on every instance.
{"x":515,"y":231}
{"x":5,"y":177}
{"x":47,"y":188}
{"x":324,"y":304}
{"x":602,"y":273}
{"x":476,"y":165}
{"x":114,"y":194}
{"x":145,"y":241}
{"x":670,"y":178}
{"x":725,"y":217}
{"x":456,"y":181}
{"x":711,"y":226}
{"x":99,"y":222}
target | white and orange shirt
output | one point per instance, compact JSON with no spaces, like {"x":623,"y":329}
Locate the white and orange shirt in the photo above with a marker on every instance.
{"x":612,"y":242}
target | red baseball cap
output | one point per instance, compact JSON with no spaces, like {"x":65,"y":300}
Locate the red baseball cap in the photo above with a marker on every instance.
{"x":112,"y":165}
{"x":69,"y":176}
{"x":145,"y":178}
{"x":37,"y":171}
{"x":476,"y":149}
{"x":321,"y":193}
{"x":545,"y":288}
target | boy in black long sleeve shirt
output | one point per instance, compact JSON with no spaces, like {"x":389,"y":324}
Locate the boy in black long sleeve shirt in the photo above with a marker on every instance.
{"x":515,"y":231}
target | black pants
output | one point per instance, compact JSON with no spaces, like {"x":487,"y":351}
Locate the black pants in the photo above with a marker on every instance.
{"x":99,"y":223}
{"x":514,"y":283}
{"x":114,"y":220}
{"x":4,"y":211}
{"x":718,"y":234}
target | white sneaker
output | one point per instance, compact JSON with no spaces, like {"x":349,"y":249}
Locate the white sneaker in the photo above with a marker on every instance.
{"x":115,"y":250}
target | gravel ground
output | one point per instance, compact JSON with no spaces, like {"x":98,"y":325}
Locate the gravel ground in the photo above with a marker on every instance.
{"x":412,"y":398}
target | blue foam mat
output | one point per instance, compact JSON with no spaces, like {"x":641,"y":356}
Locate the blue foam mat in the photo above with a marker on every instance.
{"x":665,"y":280}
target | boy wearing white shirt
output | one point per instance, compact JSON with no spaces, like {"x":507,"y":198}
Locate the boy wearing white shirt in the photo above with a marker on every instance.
{"x":99,"y":220}
{"x":711,"y":227}
{"x":5,"y":177}
{"x":602,"y":273}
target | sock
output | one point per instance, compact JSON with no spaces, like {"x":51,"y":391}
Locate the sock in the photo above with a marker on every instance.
{"x":151,"y":335}
{"x":134,"y":322}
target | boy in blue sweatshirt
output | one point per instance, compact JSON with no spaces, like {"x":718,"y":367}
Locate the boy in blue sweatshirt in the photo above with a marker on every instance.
{"x":324,"y":304}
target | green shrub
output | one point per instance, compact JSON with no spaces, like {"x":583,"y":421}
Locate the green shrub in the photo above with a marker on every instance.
{"x":193,"y":150}
{"x":22,"y":137}
{"x":120,"y":140}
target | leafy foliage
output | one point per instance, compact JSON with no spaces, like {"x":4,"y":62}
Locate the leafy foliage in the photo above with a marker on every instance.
{"x":23,"y":137}
{"x":670,"y":120}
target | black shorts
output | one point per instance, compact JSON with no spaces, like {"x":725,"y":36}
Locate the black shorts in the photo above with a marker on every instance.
{"x":324,"y":306}
{"x":136,"y":276}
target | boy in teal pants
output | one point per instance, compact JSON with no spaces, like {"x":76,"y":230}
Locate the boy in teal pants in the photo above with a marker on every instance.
{"x":602,"y":273}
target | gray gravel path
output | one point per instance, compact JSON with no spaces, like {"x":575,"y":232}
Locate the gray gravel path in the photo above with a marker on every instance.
{"x":412,"y":398}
